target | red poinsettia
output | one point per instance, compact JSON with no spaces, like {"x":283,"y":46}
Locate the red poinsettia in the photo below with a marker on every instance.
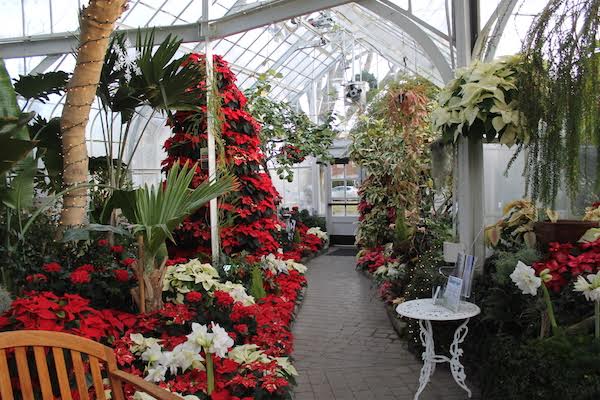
{"x":566,"y":261}
{"x":252,"y":209}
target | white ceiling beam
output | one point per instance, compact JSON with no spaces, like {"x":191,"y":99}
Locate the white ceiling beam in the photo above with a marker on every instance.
{"x":245,"y":20}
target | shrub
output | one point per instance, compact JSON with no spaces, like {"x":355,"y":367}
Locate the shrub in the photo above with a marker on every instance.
{"x":559,"y":368}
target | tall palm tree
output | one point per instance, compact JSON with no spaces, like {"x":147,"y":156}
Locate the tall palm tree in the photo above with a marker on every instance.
{"x":97,"y":23}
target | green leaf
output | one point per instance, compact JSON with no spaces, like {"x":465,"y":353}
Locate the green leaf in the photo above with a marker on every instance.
{"x":12,"y":151}
{"x":40,"y":86}
{"x":49,"y":149}
{"x":498,"y":123}
{"x":83,"y":233}
{"x":19,"y":194}
{"x":161,"y":209}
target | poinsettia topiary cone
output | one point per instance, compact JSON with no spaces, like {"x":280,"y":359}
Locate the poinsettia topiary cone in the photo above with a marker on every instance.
{"x":251,"y":210}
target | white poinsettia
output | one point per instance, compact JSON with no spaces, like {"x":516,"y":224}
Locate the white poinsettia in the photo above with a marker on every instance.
{"x":301,"y":268}
{"x":236,"y":291}
{"x":141,"y":343}
{"x":194,"y":275}
{"x":271,"y":263}
{"x":286,"y":365}
{"x":484,"y":92}
{"x":247,"y":354}
{"x":589,"y":286}
{"x":318,"y":233}
{"x":524,"y":277}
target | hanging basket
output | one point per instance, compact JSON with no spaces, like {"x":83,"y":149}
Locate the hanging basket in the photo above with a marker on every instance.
{"x":561,"y":231}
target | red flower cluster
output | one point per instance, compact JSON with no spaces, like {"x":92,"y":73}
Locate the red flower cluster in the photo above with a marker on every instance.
{"x":567,"y":261}
{"x":52,"y":267}
{"x":252,"y":207}
{"x":193,"y":297}
{"x":372,"y":259}
{"x":69,"y":313}
{"x":80,"y":276}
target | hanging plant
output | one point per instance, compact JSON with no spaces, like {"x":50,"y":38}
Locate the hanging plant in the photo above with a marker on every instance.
{"x":560,"y":96}
{"x":482,"y":101}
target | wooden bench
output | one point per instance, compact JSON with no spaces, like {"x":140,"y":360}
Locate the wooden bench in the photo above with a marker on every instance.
{"x":68,"y":373}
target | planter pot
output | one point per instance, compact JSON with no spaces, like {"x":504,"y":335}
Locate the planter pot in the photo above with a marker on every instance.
{"x":562,"y":231}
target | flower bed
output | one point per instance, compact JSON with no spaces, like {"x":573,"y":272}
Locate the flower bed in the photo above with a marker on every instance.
{"x":210,"y":333}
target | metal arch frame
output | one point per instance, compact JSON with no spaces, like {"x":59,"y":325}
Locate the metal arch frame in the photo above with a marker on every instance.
{"x":502,"y":14}
{"x":394,"y":14}
{"x":377,"y":40}
{"x":245,"y":20}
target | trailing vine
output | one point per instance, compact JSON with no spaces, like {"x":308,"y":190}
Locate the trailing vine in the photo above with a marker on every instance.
{"x":560,"y":96}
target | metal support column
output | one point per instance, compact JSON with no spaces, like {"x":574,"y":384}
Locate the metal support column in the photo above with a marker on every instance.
{"x":469,"y":161}
{"x":210,"y":127}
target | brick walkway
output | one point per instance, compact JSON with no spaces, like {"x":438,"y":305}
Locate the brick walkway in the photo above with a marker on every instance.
{"x":345,"y":346}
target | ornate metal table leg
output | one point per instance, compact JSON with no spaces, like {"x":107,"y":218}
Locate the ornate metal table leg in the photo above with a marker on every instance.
{"x":426,"y":335}
{"x":457,"y":369}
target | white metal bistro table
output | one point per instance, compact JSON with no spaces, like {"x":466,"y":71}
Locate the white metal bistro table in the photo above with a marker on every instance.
{"x":425,"y":311}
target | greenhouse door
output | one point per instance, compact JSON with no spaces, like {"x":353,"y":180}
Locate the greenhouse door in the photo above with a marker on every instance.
{"x":343,"y":182}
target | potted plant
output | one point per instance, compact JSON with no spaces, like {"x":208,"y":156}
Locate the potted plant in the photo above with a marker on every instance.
{"x":482,"y":101}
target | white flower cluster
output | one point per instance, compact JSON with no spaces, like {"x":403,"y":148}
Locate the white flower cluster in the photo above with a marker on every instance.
{"x":183,"y":278}
{"x":319,"y":233}
{"x":278,"y":266}
{"x":249,"y":353}
{"x":589,"y":286}
{"x":524,"y":277}
{"x":185,"y":355}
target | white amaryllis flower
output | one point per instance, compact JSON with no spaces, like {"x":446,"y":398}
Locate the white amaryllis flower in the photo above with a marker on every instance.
{"x":186,"y":355}
{"x":200,"y":335}
{"x":524,"y":277}
{"x":589,"y":286}
{"x":221,"y":341}
{"x":156,"y":373}
{"x":152,"y":354}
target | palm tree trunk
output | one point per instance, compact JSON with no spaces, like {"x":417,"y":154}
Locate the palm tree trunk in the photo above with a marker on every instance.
{"x":96,"y":24}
